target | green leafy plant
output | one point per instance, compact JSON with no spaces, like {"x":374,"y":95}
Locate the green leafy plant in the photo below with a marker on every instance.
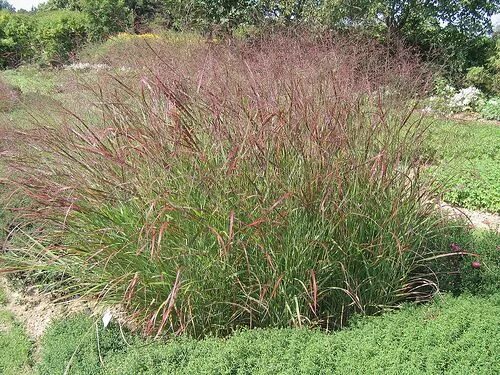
{"x":58,"y":34}
{"x":490,"y":110}
{"x":46,"y":37}
{"x":16,"y":43}
{"x":479,"y":76}
{"x":451,"y":335}
{"x":106,"y":17}
{"x":15,"y":347}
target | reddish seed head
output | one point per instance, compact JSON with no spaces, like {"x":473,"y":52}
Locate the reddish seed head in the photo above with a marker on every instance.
{"x":476,"y":265}
{"x":455,"y":247}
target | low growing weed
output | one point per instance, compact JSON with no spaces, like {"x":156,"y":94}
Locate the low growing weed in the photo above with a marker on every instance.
{"x":449,"y":336}
{"x":15,"y":347}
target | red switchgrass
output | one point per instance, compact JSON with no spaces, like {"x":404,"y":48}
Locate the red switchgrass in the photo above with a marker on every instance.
{"x":269,"y":182}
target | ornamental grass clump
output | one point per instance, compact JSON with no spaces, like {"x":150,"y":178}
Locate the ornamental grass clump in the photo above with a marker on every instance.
{"x":258,"y":183}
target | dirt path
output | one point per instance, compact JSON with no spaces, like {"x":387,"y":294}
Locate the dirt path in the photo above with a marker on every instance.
{"x":35,"y":311}
{"x":477,"y":219}
{"x":472,"y":117}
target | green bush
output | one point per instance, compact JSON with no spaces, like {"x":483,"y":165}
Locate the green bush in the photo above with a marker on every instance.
{"x":479,"y":77}
{"x":58,"y":34}
{"x":449,"y":336}
{"x":490,"y":110}
{"x":106,"y":17}
{"x":487,"y":76}
{"x":46,"y":37}
{"x":16,"y":38}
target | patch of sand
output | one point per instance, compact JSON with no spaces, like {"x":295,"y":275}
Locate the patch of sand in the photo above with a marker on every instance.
{"x":35,"y":310}
{"x":477,"y":219}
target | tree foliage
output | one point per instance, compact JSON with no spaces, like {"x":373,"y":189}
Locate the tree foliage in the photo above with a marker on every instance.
{"x":58,"y":34}
{"x":454,"y":33}
{"x":106,"y":17}
{"x":450,"y":32}
{"x":16,"y":31}
{"x":5,"y":5}
{"x":47,"y":37}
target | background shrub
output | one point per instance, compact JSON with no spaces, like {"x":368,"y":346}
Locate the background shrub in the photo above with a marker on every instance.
{"x":106,"y":17}
{"x":478,"y":76}
{"x":16,"y":38}
{"x":58,"y":34}
{"x":490,"y":110}
{"x":46,"y":38}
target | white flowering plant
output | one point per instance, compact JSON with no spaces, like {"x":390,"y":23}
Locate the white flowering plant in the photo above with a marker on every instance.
{"x":447,"y":100}
{"x":85,"y":66}
{"x":442,"y":93}
{"x":467,"y":99}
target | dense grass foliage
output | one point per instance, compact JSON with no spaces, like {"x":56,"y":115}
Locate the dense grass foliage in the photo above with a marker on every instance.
{"x":271,"y":183}
{"x":467,"y":160}
{"x":449,"y":336}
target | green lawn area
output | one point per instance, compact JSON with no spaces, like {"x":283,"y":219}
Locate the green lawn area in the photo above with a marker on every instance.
{"x":466,"y":159}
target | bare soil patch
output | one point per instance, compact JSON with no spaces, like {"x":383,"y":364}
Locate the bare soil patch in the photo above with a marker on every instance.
{"x":477,"y":219}
{"x":35,"y":310}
